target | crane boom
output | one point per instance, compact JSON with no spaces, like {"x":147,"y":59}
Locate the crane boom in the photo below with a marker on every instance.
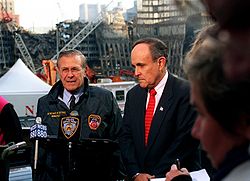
{"x":17,"y":37}
{"x":76,"y":40}
{"x":89,"y":28}
{"x":22,"y":47}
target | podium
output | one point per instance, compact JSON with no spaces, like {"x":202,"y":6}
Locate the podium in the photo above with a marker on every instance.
{"x":88,"y":159}
{"x":96,"y":159}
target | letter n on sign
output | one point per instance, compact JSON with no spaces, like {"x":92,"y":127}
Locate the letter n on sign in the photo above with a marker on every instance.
{"x":29,"y":111}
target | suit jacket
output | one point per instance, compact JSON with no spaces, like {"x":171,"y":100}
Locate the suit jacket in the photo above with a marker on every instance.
{"x":170,"y":133}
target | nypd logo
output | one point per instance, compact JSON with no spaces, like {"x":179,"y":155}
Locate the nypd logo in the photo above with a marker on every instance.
{"x":69,"y":126}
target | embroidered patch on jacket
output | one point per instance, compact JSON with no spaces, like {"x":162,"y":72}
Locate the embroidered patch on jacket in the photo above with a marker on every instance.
{"x":94,"y":121}
{"x":69,"y":126}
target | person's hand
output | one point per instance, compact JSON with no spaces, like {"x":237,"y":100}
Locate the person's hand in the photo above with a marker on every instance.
{"x":174,"y":172}
{"x":143,"y":177}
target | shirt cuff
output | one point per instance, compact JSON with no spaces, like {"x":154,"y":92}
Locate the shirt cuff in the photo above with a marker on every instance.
{"x":135,"y":175}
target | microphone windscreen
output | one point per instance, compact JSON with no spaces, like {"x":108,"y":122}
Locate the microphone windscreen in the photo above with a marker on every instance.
{"x":38,"y":120}
{"x":38,"y":131}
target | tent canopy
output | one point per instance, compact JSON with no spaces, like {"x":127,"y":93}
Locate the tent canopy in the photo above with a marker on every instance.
{"x":19,"y":79}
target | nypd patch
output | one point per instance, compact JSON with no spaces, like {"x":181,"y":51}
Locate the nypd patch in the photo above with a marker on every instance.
{"x":69,"y":126}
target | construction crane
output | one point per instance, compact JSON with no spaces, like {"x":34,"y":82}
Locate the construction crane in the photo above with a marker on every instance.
{"x":60,"y":10}
{"x":85,"y":32}
{"x":22,"y":47}
{"x":72,"y":44}
{"x":6,"y":19}
{"x":5,"y":15}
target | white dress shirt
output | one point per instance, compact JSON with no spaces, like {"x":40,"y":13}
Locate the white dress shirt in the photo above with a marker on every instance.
{"x":159,"y":89}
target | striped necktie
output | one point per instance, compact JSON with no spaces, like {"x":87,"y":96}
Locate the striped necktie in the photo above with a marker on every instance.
{"x":149,"y":113}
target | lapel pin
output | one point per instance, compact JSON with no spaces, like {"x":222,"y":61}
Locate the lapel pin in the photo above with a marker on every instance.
{"x":161,"y":108}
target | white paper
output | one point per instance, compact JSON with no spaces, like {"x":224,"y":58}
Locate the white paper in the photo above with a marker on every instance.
{"x":200,"y":175}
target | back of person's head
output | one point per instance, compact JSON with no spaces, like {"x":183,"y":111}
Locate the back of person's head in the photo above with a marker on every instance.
{"x":207,"y":31}
{"x":157,"y":47}
{"x":227,"y":102}
{"x":230,"y":14}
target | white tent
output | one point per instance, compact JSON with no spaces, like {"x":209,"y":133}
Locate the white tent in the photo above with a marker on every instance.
{"x":20,"y":79}
{"x":22,"y":88}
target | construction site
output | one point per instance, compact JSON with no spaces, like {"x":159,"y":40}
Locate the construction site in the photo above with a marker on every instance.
{"x":105,"y":41}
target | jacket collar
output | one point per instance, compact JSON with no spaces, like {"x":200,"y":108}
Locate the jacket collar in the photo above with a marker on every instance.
{"x":57,"y":89}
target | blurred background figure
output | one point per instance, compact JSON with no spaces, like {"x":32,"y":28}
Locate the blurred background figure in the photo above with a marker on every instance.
{"x":10,"y":131}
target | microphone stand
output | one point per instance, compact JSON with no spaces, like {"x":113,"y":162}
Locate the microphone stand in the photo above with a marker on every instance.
{"x":36,"y":154}
{"x":38,"y":121}
{"x":69,"y":159}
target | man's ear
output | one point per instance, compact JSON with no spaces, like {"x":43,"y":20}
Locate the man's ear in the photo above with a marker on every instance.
{"x":162,"y":62}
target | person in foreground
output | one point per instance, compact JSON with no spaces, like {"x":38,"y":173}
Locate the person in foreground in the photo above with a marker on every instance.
{"x":149,"y":149}
{"x":99,"y":118}
{"x":10,"y":131}
{"x":223,"y":124}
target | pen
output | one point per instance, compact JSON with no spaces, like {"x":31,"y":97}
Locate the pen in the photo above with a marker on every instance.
{"x":178,"y":164}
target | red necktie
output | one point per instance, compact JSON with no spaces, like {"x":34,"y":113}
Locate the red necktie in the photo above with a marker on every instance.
{"x":149,"y":113}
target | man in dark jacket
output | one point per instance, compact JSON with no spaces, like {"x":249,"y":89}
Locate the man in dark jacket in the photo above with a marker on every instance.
{"x":75,"y":113}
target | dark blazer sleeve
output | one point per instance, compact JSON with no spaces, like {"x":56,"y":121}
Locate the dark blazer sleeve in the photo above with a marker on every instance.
{"x":126,"y":140}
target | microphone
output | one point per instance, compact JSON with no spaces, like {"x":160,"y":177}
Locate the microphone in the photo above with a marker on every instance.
{"x":37,"y":131}
{"x":11,"y":148}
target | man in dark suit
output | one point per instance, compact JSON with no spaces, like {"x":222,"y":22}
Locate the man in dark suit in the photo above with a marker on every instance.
{"x":169,"y":136}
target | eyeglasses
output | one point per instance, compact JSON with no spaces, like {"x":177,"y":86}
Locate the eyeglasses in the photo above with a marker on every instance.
{"x":74,"y":70}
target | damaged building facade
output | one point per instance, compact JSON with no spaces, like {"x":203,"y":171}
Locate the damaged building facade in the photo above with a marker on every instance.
{"x":106,"y":41}
{"x":106,"y":45}
{"x":174,"y":22}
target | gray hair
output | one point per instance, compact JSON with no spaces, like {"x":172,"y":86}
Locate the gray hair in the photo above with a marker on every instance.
{"x":73,"y":52}
{"x":226,"y":101}
{"x":157,"y":47}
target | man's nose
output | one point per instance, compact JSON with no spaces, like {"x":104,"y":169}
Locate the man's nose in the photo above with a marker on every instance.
{"x":136,"y":72}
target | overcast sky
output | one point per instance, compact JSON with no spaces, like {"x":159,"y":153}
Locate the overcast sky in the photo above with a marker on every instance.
{"x":46,"y":13}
